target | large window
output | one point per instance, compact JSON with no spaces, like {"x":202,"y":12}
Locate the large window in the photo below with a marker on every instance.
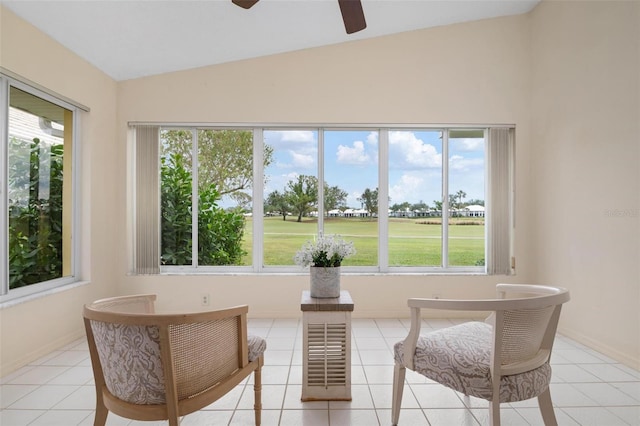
{"x":37,"y":178}
{"x":411,"y":199}
{"x":290,"y":194}
{"x":415,"y":190}
{"x":351,"y":191}
{"x":206,"y":177}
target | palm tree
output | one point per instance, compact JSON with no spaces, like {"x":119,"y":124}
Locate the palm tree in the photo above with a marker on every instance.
{"x":461,"y":195}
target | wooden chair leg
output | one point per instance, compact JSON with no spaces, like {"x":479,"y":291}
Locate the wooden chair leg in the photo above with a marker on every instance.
{"x":100,"y":418}
{"x":546,"y":408}
{"x":399,"y":372}
{"x":494,"y":413}
{"x":174,"y":421}
{"x":257,"y":391}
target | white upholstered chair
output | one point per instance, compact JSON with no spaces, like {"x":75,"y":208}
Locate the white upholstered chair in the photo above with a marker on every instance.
{"x":504,"y":359}
{"x":150,"y":366}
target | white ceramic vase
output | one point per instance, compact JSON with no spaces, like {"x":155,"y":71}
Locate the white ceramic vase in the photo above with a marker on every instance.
{"x":325,"y":281}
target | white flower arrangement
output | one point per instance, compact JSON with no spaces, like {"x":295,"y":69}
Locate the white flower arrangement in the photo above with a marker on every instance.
{"x":327,"y":251}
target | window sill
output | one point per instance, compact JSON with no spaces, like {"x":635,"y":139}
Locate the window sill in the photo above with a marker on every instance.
{"x":345,"y":272}
{"x":9,"y":301}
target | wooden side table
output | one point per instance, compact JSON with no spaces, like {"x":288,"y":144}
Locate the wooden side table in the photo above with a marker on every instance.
{"x":326,"y":351}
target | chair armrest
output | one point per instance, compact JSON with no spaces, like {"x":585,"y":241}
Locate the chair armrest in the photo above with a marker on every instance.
{"x":134,"y":304}
{"x":411,"y":341}
{"x":537,"y":290}
{"x":456,"y":304}
{"x":561,"y":295}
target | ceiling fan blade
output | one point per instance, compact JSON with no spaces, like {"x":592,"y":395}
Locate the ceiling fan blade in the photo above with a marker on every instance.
{"x":245,"y":4}
{"x":352,"y":15}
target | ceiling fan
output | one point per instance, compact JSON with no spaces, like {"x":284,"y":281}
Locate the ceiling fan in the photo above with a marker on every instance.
{"x":352,"y":13}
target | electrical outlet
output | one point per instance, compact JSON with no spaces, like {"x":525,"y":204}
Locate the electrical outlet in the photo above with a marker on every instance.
{"x":204,"y":299}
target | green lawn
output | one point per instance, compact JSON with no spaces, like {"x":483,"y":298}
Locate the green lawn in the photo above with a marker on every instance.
{"x":411,"y":243}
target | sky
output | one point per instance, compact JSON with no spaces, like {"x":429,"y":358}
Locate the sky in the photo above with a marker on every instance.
{"x":351,"y":163}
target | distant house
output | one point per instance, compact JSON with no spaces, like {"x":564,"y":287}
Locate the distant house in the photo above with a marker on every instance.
{"x":356,"y":213}
{"x":472,"y":211}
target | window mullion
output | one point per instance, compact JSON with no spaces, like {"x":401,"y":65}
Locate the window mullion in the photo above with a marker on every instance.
{"x":4,"y":186}
{"x":258,"y":197}
{"x":445,"y":198}
{"x":194,"y":197}
{"x":76,"y":170}
{"x":383,"y":199}
{"x":320,"y":181}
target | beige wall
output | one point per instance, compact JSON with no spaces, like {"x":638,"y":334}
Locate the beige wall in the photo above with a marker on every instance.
{"x":493,"y":71}
{"x":471,"y":73}
{"x":585,"y":167}
{"x":29,"y":330}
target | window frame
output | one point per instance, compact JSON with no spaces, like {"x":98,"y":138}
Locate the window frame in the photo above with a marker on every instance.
{"x":8,"y":80}
{"x":383,"y":219}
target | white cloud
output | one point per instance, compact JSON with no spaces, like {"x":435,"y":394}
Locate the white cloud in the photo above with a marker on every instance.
{"x":408,"y":152}
{"x":293,"y":149}
{"x":406,"y":188}
{"x":355,"y":155}
{"x":297,"y":161}
{"x":468,"y":144}
{"x":372,"y":138}
{"x":462,"y":164}
{"x":297,"y":135}
{"x":299,"y":140}
{"x":301,"y":160}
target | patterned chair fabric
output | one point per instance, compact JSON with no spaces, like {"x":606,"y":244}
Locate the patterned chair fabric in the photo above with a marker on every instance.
{"x":131,"y":362}
{"x":130,"y":358}
{"x":257,"y":346}
{"x":459,"y":358}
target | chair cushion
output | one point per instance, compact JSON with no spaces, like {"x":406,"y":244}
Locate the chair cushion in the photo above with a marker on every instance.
{"x":130,"y":359}
{"x":257,"y":346}
{"x":459,"y":357}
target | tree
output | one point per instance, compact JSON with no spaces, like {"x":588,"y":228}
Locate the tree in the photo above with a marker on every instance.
{"x":225,"y":159}
{"x":219,"y":232}
{"x":334,"y":198}
{"x":401,"y":207}
{"x":278,"y":202}
{"x":475,"y":202}
{"x":460,"y":195}
{"x":302,"y":194}
{"x":420,"y":206}
{"x":369,"y":200}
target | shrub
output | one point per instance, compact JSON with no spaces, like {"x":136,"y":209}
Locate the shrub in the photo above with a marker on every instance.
{"x":35,"y":222}
{"x":219,"y":232}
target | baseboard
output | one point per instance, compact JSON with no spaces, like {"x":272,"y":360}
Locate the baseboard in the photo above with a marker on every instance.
{"x":596,"y":345}
{"x":28,"y":358}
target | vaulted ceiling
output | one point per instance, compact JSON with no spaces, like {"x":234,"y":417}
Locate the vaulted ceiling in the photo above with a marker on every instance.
{"x":130,"y":39}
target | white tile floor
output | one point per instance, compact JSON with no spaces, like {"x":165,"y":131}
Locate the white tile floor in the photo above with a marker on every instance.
{"x":588,"y":388}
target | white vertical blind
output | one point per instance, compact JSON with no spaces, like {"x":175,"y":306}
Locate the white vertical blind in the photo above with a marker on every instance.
{"x":147,"y":200}
{"x":500,"y":211}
